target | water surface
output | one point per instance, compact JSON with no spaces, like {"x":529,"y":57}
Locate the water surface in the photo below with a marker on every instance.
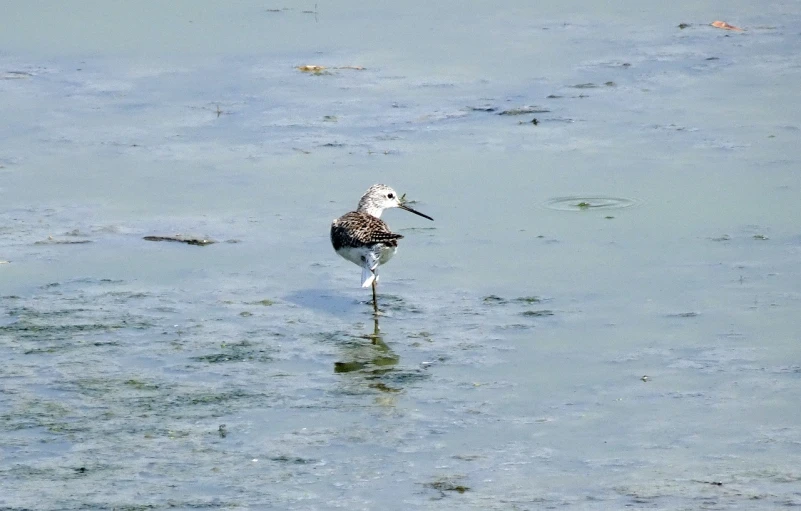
{"x":540,"y":346}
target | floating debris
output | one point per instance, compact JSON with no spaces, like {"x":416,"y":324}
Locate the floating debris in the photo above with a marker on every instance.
{"x":52,"y":241}
{"x":645,"y":378}
{"x":266,"y":302}
{"x":726,"y":26}
{"x":684,"y":25}
{"x":482,"y":108}
{"x":15,"y":75}
{"x":443,"y":485}
{"x":760,"y":237}
{"x":589,"y":203}
{"x":309,"y":68}
{"x":713,"y":483}
{"x":524,"y":110}
{"x":295,"y":460}
{"x":141,"y":385}
{"x":319,"y":70}
{"x":189,"y":240}
{"x":683,"y":315}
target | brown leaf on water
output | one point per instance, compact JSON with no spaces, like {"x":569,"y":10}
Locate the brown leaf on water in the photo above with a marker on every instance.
{"x":725,"y":26}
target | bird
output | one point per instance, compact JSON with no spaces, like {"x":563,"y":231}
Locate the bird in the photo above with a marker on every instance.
{"x":364,"y":239}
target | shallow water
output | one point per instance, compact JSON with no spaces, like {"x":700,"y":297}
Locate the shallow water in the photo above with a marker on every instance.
{"x":603,"y":315}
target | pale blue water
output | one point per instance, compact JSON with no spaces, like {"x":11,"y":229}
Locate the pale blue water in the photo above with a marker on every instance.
{"x":518,"y":327}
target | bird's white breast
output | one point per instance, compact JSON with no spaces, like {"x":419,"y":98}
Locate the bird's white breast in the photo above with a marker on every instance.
{"x":358,"y":255}
{"x":355,"y":255}
{"x":386,"y":254}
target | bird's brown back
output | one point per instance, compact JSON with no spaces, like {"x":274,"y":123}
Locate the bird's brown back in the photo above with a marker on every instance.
{"x":356,"y":229}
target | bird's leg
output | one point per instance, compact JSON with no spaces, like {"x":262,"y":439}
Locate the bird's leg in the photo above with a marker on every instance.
{"x":375,"y":301}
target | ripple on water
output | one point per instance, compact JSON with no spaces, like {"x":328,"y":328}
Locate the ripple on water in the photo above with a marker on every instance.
{"x":582,"y":203}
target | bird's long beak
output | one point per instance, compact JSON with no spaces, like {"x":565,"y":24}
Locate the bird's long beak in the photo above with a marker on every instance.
{"x":410,"y":210}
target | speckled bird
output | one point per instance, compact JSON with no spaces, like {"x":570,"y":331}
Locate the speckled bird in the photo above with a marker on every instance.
{"x":363,"y":238}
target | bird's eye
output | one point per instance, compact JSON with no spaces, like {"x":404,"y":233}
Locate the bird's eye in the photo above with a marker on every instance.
{"x":390,"y":196}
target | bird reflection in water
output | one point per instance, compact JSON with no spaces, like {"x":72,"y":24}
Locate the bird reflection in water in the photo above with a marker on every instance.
{"x":374,"y":359}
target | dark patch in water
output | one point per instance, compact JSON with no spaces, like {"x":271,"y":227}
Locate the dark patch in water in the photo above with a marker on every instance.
{"x":538,"y":313}
{"x":395,"y":303}
{"x":482,"y":108}
{"x":266,"y":302}
{"x":497,"y":300}
{"x":391,"y":379}
{"x":244,"y":351}
{"x":349,"y":367}
{"x":683,"y":315}
{"x":446,"y":485}
{"x":383,"y":387}
{"x":524,"y":110}
{"x":53,"y":241}
{"x":293,"y":460}
{"x":141,"y":385}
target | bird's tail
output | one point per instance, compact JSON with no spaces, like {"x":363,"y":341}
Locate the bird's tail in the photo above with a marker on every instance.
{"x":368,"y":277}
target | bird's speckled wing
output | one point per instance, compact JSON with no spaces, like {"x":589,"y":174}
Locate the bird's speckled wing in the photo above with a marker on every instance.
{"x":357,"y":229}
